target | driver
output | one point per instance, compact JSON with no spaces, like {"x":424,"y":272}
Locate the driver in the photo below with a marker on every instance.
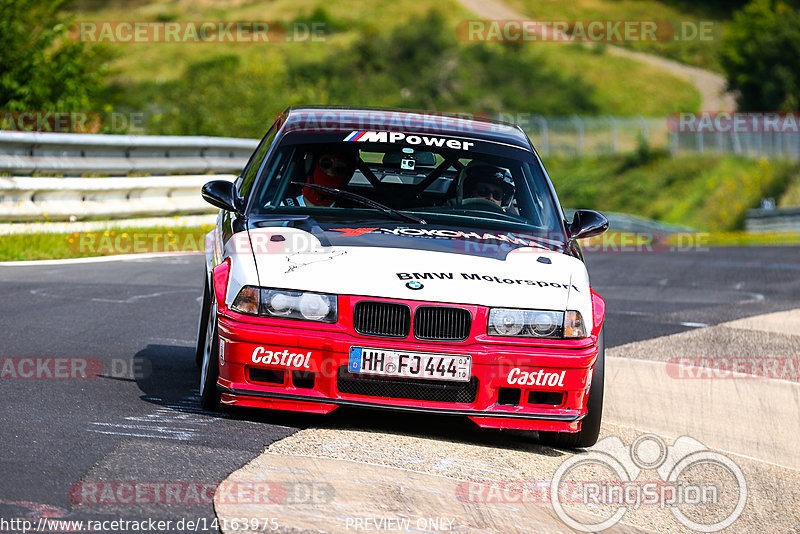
{"x":488,"y":182}
{"x":332,"y":168}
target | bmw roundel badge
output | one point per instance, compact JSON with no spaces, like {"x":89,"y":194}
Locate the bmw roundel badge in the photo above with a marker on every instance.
{"x":414,"y":285}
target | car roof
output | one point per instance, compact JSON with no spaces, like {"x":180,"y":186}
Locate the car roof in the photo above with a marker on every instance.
{"x":328,"y":119}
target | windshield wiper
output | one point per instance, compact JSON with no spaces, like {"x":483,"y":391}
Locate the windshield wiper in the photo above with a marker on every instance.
{"x":364,"y":201}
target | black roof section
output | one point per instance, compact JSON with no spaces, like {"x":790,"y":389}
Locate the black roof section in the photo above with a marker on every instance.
{"x":344,"y":119}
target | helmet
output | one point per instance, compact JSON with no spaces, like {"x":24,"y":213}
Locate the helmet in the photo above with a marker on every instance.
{"x":332,"y":168}
{"x":478,"y":172}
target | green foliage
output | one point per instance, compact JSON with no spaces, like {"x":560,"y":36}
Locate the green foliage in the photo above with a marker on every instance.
{"x":761,"y":56}
{"x":791,"y":197}
{"x":643,"y":155}
{"x":40,"y":67}
{"x":320,"y":16}
{"x":719,"y":8}
{"x":215,"y":97}
{"x":707,"y":193}
{"x":420,"y":64}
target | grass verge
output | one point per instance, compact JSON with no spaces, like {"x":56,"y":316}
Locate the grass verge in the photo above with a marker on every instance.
{"x":52,"y":246}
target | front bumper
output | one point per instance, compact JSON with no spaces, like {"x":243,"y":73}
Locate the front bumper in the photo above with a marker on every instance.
{"x":309,"y":373}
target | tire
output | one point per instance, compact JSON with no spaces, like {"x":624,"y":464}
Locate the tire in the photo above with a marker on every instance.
{"x":202,"y":324}
{"x":590,"y":427}
{"x":209,"y":369}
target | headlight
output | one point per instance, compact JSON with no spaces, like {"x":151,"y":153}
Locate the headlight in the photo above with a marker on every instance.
{"x":286,"y":304}
{"x":503,"y":322}
{"x":535,"y":323}
{"x":313,"y":306}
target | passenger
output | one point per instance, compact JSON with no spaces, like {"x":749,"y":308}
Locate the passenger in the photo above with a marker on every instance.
{"x":332,"y":168}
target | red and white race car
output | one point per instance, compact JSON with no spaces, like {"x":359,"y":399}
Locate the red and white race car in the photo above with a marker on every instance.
{"x":403,"y":261}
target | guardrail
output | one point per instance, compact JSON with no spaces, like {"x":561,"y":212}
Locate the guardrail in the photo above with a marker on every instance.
{"x":58,"y":199}
{"x":25,"y":153}
{"x":773,"y":220}
{"x":70,"y":196}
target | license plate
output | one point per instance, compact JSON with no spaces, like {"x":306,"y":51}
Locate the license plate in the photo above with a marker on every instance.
{"x":432,"y":366}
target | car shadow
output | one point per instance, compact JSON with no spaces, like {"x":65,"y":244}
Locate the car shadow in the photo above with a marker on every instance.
{"x":168,"y":377}
{"x":453,"y":429}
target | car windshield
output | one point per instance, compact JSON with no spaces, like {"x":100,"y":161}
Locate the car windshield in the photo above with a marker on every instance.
{"x":502,"y":188}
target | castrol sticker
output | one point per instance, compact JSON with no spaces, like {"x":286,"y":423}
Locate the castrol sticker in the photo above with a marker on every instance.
{"x":535,"y":378}
{"x":279,"y":356}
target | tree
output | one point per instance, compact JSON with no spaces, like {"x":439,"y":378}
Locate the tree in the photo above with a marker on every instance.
{"x":41,"y":68}
{"x":761,"y":56}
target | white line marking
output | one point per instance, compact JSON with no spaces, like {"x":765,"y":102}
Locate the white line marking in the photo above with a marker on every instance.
{"x":135,"y":435}
{"x":694,"y":325}
{"x":172,"y":340}
{"x":146,"y":427}
{"x":129,"y":300}
{"x":163,"y":419}
{"x":754,"y":297}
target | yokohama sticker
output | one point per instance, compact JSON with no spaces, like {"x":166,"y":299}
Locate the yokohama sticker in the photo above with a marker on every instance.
{"x":442,"y":233}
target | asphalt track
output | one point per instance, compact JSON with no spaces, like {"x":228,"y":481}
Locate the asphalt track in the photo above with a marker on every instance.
{"x":139,"y":420}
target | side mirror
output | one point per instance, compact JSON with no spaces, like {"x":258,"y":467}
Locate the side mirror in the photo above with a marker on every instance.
{"x":587,"y":223}
{"x":220,"y":193}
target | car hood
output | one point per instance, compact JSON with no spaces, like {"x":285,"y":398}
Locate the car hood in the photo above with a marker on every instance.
{"x":523,"y":275}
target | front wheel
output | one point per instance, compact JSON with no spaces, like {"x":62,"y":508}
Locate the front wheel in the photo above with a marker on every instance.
{"x":590,"y":427}
{"x":209,"y":369}
{"x":202,"y":324}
